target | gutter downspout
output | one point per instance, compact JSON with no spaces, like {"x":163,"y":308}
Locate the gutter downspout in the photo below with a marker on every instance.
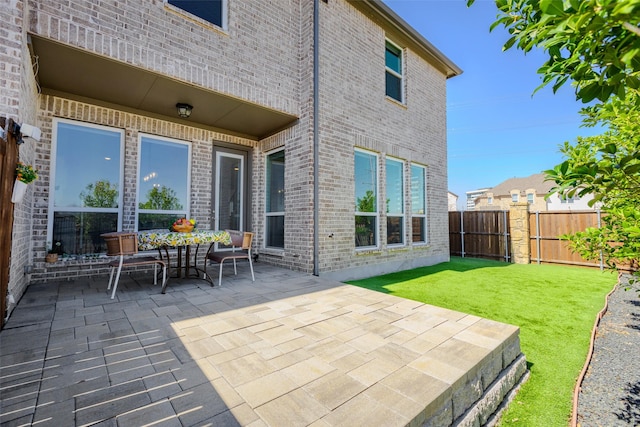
{"x":316,"y":136}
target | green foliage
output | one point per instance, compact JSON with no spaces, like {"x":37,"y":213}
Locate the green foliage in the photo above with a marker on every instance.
{"x":554,"y":307}
{"x":26,"y":173}
{"x":163,"y":198}
{"x":608,"y":167}
{"x":367,"y":203}
{"x":101,"y":194}
{"x":594,"y":43}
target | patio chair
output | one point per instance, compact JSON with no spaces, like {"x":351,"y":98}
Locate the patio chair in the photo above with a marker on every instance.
{"x":240,"y":249}
{"x":123,"y":244}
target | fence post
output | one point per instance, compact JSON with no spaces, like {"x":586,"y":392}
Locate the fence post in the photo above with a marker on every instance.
{"x":462,"y":234}
{"x":539,"y":255}
{"x":505,"y":222}
{"x":519,"y":224}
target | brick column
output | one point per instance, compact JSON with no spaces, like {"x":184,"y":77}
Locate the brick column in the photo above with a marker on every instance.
{"x":519,"y":225}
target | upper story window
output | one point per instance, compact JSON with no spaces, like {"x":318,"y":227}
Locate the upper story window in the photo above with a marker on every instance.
{"x":530,"y":198}
{"x":514,"y":197}
{"x":86,"y":186}
{"x":395,"y":201}
{"x":163,"y":181}
{"x":210,"y":10}
{"x":274,"y":236}
{"x":393,"y":71}
{"x":489,"y":200}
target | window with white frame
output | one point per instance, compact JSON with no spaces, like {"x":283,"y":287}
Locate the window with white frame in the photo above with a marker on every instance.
{"x":274,"y":221}
{"x":393,"y":71}
{"x":86,"y":186}
{"x":530,"y":198}
{"x":489,"y":200}
{"x":366,"y":196}
{"x":514,"y":197}
{"x":419,"y":203}
{"x":164,"y":172}
{"x":213,"y":11}
{"x":395,"y":201}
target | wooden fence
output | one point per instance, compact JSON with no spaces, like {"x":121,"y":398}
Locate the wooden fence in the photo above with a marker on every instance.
{"x":545,"y":229}
{"x":488,"y":234}
{"x":480,"y":234}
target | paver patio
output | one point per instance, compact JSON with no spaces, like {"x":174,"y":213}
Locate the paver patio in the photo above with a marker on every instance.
{"x":289,"y":349}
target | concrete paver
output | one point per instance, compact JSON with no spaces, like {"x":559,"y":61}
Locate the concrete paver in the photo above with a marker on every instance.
{"x":288,"y":349}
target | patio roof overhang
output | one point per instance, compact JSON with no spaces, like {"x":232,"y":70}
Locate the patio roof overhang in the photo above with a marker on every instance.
{"x":73,"y":73}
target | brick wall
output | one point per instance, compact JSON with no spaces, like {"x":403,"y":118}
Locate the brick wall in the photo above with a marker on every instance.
{"x":265,"y":56}
{"x":255,"y":59}
{"x":354,"y":112}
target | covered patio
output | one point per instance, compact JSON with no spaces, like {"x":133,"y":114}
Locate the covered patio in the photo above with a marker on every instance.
{"x":289,"y":349}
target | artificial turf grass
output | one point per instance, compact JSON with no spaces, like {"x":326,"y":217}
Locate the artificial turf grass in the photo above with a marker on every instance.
{"x":554,"y":306}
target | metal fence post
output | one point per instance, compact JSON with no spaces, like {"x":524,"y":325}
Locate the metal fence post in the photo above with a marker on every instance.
{"x":538,"y":236}
{"x":462,"y":233}
{"x":506,"y":236}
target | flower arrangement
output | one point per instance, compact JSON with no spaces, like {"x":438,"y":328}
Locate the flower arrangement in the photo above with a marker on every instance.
{"x":56,"y":248}
{"x":26,"y":173}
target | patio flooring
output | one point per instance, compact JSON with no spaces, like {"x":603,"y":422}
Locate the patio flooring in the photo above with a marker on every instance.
{"x":289,"y":349}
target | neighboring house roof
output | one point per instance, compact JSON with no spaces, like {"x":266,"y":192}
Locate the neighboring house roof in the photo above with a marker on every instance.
{"x":535,"y":181}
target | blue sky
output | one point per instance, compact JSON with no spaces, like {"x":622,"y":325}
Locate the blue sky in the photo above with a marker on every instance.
{"x":496,"y":127}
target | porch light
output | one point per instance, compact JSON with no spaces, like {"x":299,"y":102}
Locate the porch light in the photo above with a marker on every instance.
{"x":184,"y":110}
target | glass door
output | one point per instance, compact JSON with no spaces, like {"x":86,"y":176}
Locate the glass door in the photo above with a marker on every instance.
{"x":228,"y":190}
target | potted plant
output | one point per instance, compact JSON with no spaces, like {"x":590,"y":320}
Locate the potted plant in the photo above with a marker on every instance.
{"x":53,"y":252}
{"x":25,"y":174}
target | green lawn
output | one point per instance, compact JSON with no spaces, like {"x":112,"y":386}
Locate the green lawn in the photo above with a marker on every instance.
{"x":554,"y":306}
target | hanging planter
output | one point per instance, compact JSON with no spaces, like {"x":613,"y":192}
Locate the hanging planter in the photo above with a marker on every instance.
{"x":19,"y":190}
{"x":25,"y":174}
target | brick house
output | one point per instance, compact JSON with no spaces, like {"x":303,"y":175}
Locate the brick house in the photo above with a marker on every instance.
{"x":532,"y":189}
{"x":337,"y":104}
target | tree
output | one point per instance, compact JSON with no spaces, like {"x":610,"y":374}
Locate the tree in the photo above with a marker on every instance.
{"x":608,"y":167}
{"x":594,"y":43}
{"x":163,"y":198}
{"x":101,"y":194}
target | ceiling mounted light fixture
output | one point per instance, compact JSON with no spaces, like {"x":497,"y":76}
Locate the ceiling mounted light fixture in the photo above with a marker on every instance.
{"x":184,"y":110}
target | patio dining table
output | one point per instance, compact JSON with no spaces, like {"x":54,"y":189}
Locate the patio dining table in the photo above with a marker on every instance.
{"x":162,"y":240}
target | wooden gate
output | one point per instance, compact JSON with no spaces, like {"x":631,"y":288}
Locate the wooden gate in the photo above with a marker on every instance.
{"x":545,"y":229}
{"x":8,"y":160}
{"x":480,"y":234}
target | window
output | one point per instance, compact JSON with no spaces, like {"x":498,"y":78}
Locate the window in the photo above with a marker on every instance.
{"x":163,"y":181}
{"x":395,"y":201}
{"x":514,"y":197}
{"x":86,"y":186}
{"x":530,"y":198}
{"x":489,"y":200}
{"x":419,"y":203}
{"x":393,"y":68}
{"x":210,"y":10}
{"x":275,"y":200}
{"x":366,"y":195}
